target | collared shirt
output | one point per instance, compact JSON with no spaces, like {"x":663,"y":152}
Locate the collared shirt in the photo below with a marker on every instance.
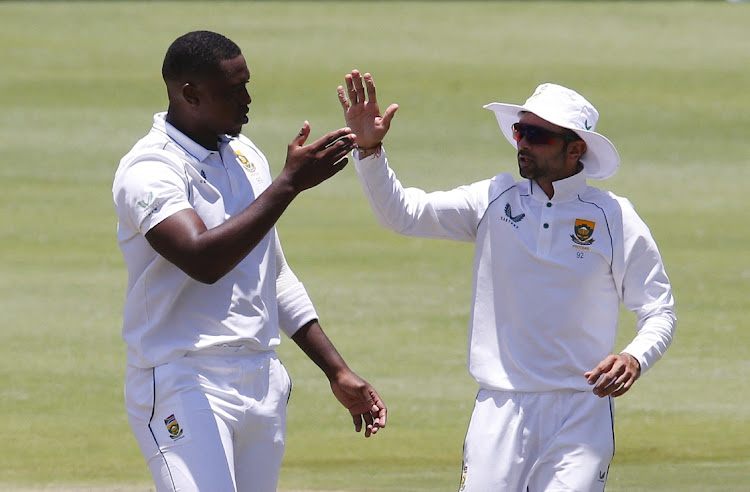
{"x":167,"y":313}
{"x":549,"y":274}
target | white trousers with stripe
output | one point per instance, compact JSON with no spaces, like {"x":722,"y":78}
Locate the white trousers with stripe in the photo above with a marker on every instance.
{"x":214,"y":420}
{"x":558,"y":441}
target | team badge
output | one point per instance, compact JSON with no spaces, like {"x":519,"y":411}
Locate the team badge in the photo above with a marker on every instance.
{"x":173,"y":427}
{"x":582,"y":232}
{"x":243,"y":160}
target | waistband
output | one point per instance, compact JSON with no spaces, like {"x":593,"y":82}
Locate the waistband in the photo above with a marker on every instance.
{"x":231,"y":349}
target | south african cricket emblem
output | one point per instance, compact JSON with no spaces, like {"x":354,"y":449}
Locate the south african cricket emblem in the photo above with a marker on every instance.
{"x":173,"y":427}
{"x":583,"y":230}
{"x":243,"y":160}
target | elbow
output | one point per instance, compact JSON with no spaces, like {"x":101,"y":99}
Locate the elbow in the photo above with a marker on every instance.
{"x":205,"y":274}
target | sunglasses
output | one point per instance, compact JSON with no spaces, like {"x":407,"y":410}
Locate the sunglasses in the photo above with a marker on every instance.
{"x":536,"y":135}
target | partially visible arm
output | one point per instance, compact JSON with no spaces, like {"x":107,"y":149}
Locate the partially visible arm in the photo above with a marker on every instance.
{"x":356,"y":394}
{"x":209,"y":254}
{"x":647,"y":292}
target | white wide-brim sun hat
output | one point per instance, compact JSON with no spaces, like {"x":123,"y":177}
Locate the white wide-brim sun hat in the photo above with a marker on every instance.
{"x":567,"y":109}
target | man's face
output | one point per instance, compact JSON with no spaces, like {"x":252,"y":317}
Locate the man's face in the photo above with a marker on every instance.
{"x":224,"y":100}
{"x":544,"y":161}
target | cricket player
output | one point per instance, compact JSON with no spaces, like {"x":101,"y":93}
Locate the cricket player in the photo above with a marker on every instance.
{"x":209,"y":289}
{"x":554,"y":258}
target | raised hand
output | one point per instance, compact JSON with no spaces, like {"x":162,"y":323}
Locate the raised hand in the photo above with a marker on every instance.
{"x":309,"y":165}
{"x":361,"y":110}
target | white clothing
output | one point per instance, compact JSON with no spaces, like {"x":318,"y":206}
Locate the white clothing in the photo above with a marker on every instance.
{"x":549,"y":274}
{"x":168,"y":314}
{"x":212,"y":420}
{"x":552,"y":441}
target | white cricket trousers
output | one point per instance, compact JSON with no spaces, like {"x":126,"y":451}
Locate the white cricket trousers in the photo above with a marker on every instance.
{"x":213,"y":421}
{"x":556,"y":441}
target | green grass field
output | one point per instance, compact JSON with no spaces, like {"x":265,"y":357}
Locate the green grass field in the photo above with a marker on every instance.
{"x":78,"y":86}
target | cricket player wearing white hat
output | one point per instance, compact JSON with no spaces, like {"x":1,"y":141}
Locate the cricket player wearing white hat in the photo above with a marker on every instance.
{"x":554,"y":258}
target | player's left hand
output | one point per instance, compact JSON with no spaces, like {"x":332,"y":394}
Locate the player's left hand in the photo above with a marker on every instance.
{"x":362,"y":401}
{"x":614,"y":375}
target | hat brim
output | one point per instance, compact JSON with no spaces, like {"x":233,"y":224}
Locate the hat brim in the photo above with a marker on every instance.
{"x":600,"y":161}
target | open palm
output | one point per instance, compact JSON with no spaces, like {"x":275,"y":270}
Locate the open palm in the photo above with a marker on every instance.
{"x":361,"y":109}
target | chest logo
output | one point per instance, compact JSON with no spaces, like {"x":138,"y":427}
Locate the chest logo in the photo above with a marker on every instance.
{"x":243,"y":160}
{"x":582,"y":232}
{"x":509,"y":214}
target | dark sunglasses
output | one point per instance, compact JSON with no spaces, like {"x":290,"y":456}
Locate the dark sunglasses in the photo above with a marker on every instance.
{"x":536,"y":135}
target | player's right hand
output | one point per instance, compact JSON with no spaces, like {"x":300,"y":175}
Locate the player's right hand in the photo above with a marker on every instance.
{"x":361,"y":110}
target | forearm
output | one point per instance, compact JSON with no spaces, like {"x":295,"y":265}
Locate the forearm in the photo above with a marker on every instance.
{"x":450,"y":215}
{"x":653,"y":338}
{"x":316,"y":345}
{"x":209,"y":254}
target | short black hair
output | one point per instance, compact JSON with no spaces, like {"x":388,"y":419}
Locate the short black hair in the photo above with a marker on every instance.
{"x":197,"y":53}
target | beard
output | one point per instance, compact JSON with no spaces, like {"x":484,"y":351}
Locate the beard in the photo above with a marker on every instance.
{"x":527,"y":166}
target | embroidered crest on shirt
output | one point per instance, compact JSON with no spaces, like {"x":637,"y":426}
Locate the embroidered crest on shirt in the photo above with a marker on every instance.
{"x":243,"y":160}
{"x":173,"y":427}
{"x":583,"y":230}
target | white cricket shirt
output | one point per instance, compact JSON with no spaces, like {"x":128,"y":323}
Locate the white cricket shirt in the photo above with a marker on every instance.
{"x":549,"y":274}
{"x":167,"y":313}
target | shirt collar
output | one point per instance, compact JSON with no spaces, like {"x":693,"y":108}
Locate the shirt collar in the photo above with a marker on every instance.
{"x":193,"y":148}
{"x":565,"y":189}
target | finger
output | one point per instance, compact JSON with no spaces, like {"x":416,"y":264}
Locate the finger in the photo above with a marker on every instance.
{"x":609,"y":382}
{"x":370,"y":426}
{"x":388,"y":116}
{"x":349,"y":84}
{"x":345,"y":142}
{"x":330,"y":139}
{"x":301,"y":137}
{"x":382,"y":413}
{"x":342,"y":98}
{"x":379,"y":408}
{"x":370,"y":84}
{"x":357,"y":419}
{"x":339,"y":165}
{"x":350,"y":87}
{"x":359,"y":89}
{"x":624,"y":388}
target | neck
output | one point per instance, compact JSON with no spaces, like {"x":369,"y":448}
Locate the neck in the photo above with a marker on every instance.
{"x":207,"y":141}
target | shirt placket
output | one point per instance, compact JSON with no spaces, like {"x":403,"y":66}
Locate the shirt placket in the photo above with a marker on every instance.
{"x":546,"y":221}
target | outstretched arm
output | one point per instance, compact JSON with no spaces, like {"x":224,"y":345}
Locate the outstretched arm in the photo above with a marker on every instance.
{"x":362,"y":112}
{"x":356,"y":394}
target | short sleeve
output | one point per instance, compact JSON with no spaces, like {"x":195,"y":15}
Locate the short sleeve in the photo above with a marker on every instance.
{"x":147,"y":192}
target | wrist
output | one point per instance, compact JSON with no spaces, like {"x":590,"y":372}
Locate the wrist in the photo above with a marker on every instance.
{"x":363,"y":152}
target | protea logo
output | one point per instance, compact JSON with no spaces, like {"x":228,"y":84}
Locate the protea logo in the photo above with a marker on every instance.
{"x":173,"y":427}
{"x":582,"y":232}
